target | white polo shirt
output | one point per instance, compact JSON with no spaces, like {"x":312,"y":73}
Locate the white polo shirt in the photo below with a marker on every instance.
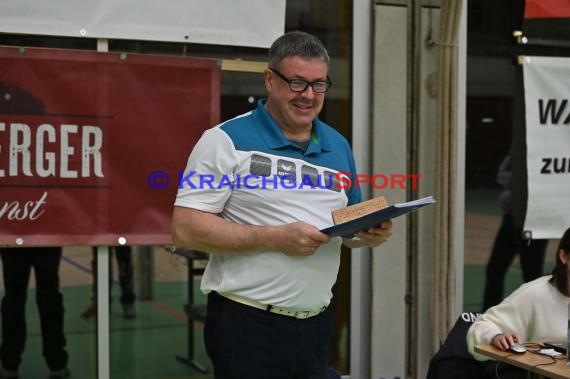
{"x":246,"y":171}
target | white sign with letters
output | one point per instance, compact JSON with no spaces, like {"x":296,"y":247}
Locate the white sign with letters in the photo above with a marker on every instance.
{"x":547,"y":103}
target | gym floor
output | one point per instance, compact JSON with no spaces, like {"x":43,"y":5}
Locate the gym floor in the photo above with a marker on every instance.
{"x":144,"y":347}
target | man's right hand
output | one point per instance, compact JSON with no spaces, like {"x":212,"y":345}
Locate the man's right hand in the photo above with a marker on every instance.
{"x":299,"y":239}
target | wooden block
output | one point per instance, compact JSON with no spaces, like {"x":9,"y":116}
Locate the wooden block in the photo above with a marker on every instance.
{"x":351,"y":212}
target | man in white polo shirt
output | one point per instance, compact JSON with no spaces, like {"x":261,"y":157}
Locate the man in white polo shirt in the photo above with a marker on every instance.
{"x":256,"y":191}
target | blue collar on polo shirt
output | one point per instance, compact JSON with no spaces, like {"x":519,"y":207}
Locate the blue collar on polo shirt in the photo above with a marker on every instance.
{"x":275,"y":139}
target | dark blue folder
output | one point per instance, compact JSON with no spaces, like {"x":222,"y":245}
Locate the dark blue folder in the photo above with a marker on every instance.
{"x":347,"y":229}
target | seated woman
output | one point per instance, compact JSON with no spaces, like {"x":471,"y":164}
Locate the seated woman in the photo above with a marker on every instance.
{"x":536,"y":311}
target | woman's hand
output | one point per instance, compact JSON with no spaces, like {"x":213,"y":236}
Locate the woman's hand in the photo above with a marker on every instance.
{"x":505,"y":341}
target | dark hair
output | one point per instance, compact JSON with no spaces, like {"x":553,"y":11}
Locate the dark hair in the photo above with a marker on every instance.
{"x":296,"y":44}
{"x":559,"y":274}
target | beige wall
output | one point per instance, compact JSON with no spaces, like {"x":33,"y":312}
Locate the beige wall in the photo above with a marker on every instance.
{"x":389,"y":156}
{"x":401,"y":339}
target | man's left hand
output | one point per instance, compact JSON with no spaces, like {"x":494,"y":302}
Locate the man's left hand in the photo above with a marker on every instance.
{"x":371,"y":237}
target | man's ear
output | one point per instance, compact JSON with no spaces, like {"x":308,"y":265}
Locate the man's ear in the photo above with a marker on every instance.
{"x":267,"y":79}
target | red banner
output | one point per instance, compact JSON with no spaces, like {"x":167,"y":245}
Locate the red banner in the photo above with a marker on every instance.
{"x":547,"y":9}
{"x":91,"y":144}
{"x":546,"y":22}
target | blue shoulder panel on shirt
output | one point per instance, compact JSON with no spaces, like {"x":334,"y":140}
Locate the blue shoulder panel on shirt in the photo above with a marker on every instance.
{"x":257,"y":131}
{"x":243,"y":134}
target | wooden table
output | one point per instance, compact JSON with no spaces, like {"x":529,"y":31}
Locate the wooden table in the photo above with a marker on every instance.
{"x":528,"y":361}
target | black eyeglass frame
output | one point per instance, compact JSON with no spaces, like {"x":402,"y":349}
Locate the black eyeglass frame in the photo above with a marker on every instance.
{"x":306,"y":84}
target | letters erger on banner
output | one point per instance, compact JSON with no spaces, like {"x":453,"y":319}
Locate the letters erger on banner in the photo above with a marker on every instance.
{"x":45,"y":150}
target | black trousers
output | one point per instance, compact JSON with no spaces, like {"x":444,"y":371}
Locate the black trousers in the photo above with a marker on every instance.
{"x":245,"y":342}
{"x":508,"y":243}
{"x":124,"y":257}
{"x":16,"y":266}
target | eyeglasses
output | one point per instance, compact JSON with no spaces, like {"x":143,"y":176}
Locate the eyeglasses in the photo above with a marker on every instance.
{"x":300,"y":85}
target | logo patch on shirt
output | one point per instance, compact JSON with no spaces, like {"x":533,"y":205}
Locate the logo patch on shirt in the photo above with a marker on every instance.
{"x":260,"y":165}
{"x":310,"y":175}
{"x":286,"y":168}
{"x":331,"y":181}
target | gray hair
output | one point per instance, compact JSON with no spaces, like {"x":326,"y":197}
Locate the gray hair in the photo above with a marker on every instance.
{"x":296,"y":44}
